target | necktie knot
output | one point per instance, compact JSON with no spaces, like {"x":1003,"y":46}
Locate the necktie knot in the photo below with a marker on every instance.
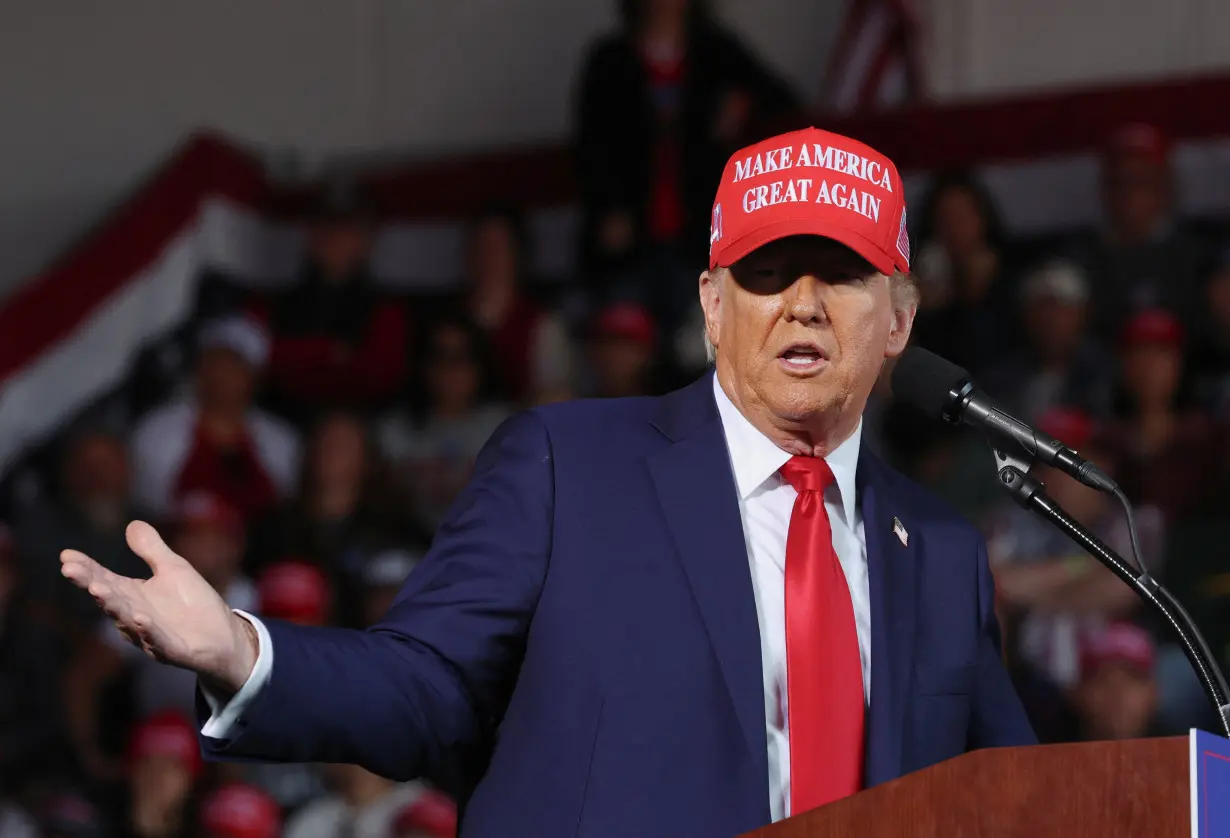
{"x":807,"y":474}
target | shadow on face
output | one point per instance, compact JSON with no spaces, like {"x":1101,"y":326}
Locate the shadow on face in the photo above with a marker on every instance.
{"x":802,"y":328}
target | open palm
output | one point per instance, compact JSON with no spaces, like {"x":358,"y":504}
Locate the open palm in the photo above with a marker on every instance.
{"x":175,"y":616}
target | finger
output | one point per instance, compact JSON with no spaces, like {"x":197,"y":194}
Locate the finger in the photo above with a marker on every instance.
{"x":148,"y":544}
{"x":80,"y":568}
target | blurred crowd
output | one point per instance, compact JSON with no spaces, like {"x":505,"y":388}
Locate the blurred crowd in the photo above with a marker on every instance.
{"x":321,"y":432}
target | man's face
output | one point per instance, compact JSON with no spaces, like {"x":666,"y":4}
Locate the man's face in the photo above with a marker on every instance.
{"x":1137,"y":195}
{"x":97,"y":477}
{"x":1152,"y":372}
{"x":802,"y":327}
{"x":620,"y":364}
{"x":224,"y":378}
{"x":340,"y":248}
{"x":214,"y":550}
{"x":1054,"y":327}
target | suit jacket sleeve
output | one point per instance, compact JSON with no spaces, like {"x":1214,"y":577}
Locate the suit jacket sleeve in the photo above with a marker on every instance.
{"x":997,"y":717}
{"x":417,"y":692}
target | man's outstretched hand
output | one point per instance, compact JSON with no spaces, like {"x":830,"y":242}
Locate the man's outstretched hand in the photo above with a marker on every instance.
{"x":175,"y":616}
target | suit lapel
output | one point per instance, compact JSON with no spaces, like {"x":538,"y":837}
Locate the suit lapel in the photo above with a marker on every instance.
{"x":696,"y":489}
{"x":892,"y":570}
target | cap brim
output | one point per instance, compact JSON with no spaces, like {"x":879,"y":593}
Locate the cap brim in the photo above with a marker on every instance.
{"x":860,"y":244}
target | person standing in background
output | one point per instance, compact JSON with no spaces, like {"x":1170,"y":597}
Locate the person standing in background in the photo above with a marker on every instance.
{"x":1142,"y":255}
{"x":337,"y":340}
{"x":532,"y":350}
{"x":660,"y":106}
{"x":967,"y":311}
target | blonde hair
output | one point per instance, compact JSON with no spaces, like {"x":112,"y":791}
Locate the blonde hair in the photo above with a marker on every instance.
{"x":903,"y":288}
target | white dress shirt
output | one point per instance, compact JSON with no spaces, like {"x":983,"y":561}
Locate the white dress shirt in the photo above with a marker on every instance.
{"x":765,"y":503}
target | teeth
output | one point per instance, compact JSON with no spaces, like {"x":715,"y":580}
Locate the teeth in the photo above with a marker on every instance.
{"x":800,"y":360}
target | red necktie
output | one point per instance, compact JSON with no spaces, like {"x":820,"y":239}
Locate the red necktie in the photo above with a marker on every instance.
{"x":824,"y":677}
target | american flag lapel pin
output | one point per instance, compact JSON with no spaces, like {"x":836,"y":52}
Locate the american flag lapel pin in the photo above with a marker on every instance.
{"x":899,"y":531}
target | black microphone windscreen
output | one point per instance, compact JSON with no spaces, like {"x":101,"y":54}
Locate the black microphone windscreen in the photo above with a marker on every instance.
{"x":924,"y":379}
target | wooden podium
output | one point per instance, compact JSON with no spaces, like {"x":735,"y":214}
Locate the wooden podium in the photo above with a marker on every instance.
{"x":1137,"y":787}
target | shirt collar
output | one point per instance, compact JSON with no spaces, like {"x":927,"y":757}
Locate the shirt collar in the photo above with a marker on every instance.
{"x":754,"y":457}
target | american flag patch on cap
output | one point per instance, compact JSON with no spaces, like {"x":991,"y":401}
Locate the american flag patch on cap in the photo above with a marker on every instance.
{"x":903,"y":238}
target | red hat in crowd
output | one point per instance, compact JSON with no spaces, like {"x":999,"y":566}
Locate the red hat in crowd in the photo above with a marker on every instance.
{"x":431,"y":813}
{"x":166,"y":734}
{"x":626,"y":320}
{"x":1117,"y":643}
{"x":296,"y":591}
{"x":811,"y":182}
{"x":201,"y":508}
{"x":1140,"y":141}
{"x":240,"y":811}
{"x":1152,"y":327}
{"x":1070,"y":426}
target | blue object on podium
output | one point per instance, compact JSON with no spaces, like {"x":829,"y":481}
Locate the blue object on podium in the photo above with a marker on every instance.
{"x":1210,"y":781}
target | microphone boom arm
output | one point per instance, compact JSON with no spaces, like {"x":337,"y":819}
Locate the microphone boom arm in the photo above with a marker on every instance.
{"x":1029,"y":493}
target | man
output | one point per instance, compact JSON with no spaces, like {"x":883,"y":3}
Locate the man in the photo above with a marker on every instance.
{"x":218,"y":441}
{"x":684,"y":616}
{"x":1059,"y":365}
{"x":1143,"y":254}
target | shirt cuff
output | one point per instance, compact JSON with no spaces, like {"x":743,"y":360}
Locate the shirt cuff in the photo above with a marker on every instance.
{"x":226,"y":718}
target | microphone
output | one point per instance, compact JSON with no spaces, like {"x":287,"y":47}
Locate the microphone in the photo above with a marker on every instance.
{"x":942,"y":389}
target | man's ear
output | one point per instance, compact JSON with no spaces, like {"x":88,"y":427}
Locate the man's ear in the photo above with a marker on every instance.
{"x":903,"y":322}
{"x":711,"y":302}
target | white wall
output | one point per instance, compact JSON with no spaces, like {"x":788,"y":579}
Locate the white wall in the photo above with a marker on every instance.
{"x":988,"y":47}
{"x":93,"y":94}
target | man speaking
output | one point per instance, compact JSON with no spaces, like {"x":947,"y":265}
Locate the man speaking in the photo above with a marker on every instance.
{"x":684,"y":616}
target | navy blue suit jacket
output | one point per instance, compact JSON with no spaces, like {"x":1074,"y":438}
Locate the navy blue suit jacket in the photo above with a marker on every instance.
{"x":579,"y":655}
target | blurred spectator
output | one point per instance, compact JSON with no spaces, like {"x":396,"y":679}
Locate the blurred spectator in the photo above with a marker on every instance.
{"x":218,"y":441}
{"x":294,"y":591}
{"x":431,"y":816}
{"x":337,"y":340}
{"x":89,"y":513}
{"x":661,"y":104}
{"x":1116,"y":697}
{"x":383,"y":577}
{"x":164,"y":762}
{"x":1059,"y":366}
{"x":1167,"y":452}
{"x":362,"y":805}
{"x":1051,"y":589}
{"x":209,"y":535}
{"x":621,"y":352}
{"x":968,"y":313}
{"x":67,"y":815}
{"x":533,"y":353}
{"x":1141,"y":256}
{"x":434,"y":452}
{"x":31,"y":738}
{"x":239,"y":811}
{"x":341,"y":512}
{"x":1210,"y":356}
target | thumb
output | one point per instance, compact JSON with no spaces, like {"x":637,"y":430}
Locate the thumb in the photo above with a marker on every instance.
{"x":148,"y":544}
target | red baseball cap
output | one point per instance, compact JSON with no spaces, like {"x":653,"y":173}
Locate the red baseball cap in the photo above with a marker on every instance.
{"x":626,"y":320}
{"x":432,"y":813}
{"x":815,"y":183}
{"x":166,"y":734}
{"x":1117,"y":643}
{"x":295,"y":591}
{"x":240,"y":811}
{"x":1152,"y":326}
{"x":1071,"y":426}
{"x":1139,"y":140}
